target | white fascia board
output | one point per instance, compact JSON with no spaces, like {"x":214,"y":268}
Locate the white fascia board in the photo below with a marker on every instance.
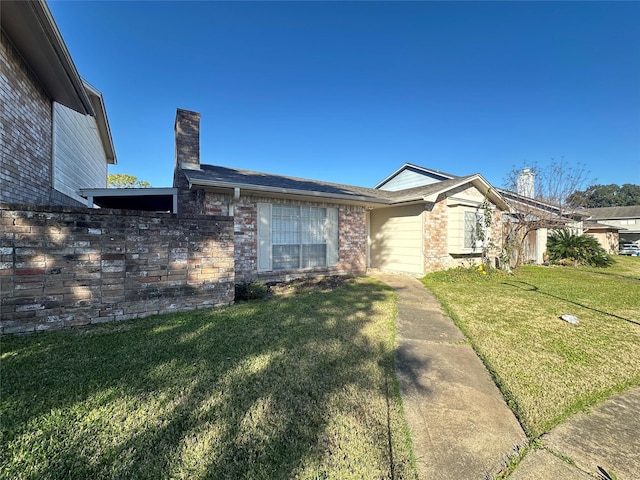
{"x":411,"y":165}
{"x":103,"y":122}
{"x":260,"y":189}
{"x":125,"y":192}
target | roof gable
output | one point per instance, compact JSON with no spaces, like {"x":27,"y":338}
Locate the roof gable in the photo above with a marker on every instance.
{"x":409,"y":176}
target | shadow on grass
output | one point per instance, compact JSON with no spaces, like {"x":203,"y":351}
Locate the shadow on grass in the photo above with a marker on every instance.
{"x":532,"y":288}
{"x":243,"y":392}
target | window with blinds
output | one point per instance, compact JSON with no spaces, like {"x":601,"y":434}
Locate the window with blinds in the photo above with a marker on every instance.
{"x":292,"y":237}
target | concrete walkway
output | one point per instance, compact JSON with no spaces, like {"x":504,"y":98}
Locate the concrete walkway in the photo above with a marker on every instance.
{"x":461,"y":426}
{"x":607,"y":437}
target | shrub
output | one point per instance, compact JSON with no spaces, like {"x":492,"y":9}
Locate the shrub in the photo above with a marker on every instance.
{"x":253,"y":290}
{"x":564,"y":245}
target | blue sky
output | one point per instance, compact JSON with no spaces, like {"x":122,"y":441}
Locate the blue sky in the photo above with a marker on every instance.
{"x":349,"y":91}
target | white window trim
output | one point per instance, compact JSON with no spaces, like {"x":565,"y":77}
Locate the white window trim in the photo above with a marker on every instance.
{"x":477,"y":242}
{"x":265,"y":237}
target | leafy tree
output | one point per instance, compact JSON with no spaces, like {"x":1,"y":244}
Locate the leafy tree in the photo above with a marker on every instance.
{"x":123,"y":180}
{"x":611,"y":195}
{"x":580,"y":249}
{"x":541,"y":205}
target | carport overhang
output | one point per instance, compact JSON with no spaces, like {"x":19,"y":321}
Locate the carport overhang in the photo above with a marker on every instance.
{"x":145,"y":199}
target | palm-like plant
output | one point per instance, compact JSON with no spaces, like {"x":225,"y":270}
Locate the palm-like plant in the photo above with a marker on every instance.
{"x":581,"y":249}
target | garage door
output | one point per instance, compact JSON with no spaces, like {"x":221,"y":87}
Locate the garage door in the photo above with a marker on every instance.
{"x":396,"y":239}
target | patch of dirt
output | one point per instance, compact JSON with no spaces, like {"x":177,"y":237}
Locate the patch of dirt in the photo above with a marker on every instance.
{"x":303,"y":285}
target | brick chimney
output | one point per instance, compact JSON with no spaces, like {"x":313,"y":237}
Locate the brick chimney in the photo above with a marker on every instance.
{"x":187,"y":129}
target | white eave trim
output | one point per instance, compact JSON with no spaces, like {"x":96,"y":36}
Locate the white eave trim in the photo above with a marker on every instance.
{"x":476,"y":180}
{"x":416,"y":167}
{"x":126,"y":192}
{"x":32,"y":29}
{"x":337,"y":197}
{"x":102,"y":121}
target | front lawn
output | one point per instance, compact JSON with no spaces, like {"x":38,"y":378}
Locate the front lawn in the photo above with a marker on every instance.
{"x":547,"y":368}
{"x":295,"y":387}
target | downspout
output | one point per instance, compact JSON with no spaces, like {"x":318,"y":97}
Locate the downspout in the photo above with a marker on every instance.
{"x":367,"y":218}
{"x":236,"y":197}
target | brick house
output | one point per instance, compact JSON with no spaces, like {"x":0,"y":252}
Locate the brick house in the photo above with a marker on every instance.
{"x":286,"y":227}
{"x":613,"y":226}
{"x":55,"y":133}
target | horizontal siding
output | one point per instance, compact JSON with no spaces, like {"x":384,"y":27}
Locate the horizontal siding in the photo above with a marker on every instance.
{"x":78,"y":155}
{"x":408,"y":179}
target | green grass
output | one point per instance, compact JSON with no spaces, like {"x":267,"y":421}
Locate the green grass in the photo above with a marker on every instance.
{"x":546,"y":368}
{"x":623,"y":266}
{"x":296,"y":387}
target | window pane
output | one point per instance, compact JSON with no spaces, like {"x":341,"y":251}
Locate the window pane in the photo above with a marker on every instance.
{"x":299,"y":237}
{"x":285,"y":225}
{"x":286,"y":257}
{"x":469,"y":229}
{"x":314,"y":256}
{"x":313,"y":220}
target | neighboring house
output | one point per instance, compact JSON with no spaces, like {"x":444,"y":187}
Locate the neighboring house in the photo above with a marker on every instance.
{"x":55,"y":133}
{"x":626,"y":219}
{"x":607,"y":235}
{"x":546,"y":215}
{"x":287,"y":227}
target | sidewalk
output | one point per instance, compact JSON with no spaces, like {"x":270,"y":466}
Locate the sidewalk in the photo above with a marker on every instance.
{"x":608,"y":437}
{"x":462,"y":428}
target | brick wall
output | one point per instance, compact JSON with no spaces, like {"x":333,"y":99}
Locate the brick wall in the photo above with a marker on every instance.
{"x":436,"y":227}
{"x":189,"y":200}
{"x":352,"y":225}
{"x":26,"y":120}
{"x":352,"y":236}
{"x":436,"y":245}
{"x":62,"y":266}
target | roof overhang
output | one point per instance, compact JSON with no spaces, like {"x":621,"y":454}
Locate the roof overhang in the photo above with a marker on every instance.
{"x":601,"y":227}
{"x":279,"y":192}
{"x":146,"y":199}
{"x":477,"y":181}
{"x":102,"y":121}
{"x":33,"y":31}
{"x":540,"y":205}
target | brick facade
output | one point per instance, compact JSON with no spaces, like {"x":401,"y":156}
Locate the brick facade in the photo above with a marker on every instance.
{"x":351,"y":227}
{"x":436,"y":245}
{"x":26,"y":123}
{"x":436,"y":239}
{"x":62,"y":266}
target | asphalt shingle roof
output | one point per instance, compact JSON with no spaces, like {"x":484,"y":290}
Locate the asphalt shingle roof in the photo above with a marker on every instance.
{"x":610,"y":213}
{"x":225,"y":176}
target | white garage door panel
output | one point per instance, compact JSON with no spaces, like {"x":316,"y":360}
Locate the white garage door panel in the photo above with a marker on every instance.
{"x":396,"y":235}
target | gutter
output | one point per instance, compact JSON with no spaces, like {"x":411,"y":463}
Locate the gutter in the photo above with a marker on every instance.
{"x":287,"y":191}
